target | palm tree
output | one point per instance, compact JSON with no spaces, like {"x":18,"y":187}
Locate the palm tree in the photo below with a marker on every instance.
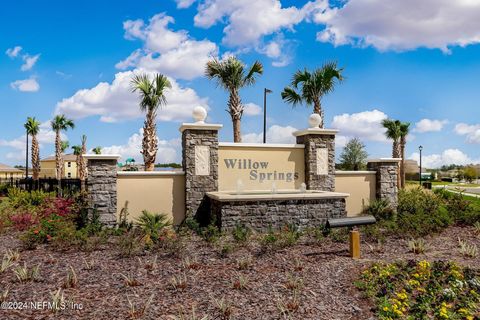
{"x":82,"y":169}
{"x":309,"y":87}
{"x":393,"y":133}
{"x":64,"y":145}
{"x":231,"y":74}
{"x":60,"y":123}
{"x":404,"y":130}
{"x":152,"y":96}
{"x":33,"y":128}
{"x":77,"y":151}
{"x":97,"y":150}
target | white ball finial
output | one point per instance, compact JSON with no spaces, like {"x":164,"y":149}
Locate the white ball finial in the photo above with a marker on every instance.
{"x":314,"y":120}
{"x":199,"y":114}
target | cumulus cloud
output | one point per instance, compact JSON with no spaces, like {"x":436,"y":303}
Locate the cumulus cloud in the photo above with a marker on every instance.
{"x":29,"y":62}
{"x":26,"y":85}
{"x":401,"y":25}
{"x":429,"y":125}
{"x":173,"y":53}
{"x":471,"y":132}
{"x":167,"y":150}
{"x":183,"y":4}
{"x":251,"y":109}
{"x":447,"y":157}
{"x":279,"y":49}
{"x":115,"y":101}
{"x":13,"y":52}
{"x":275,"y":134}
{"x":366,"y":125}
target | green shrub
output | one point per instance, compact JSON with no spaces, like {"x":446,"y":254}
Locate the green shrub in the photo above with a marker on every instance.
{"x":20,"y":198}
{"x":151,"y":224}
{"x":241,"y":233}
{"x":211,"y":233}
{"x":415,"y":201}
{"x":380,"y":209}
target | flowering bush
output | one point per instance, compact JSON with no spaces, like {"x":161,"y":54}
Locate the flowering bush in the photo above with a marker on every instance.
{"x":23,"y":221}
{"x":423,"y":290}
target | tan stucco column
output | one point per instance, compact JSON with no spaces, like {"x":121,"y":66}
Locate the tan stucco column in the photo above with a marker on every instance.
{"x":319,"y":157}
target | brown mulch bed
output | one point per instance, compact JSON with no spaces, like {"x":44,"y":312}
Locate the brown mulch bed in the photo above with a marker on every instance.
{"x":322,"y":271}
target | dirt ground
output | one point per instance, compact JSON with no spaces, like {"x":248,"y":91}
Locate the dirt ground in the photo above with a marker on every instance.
{"x":314,"y":279}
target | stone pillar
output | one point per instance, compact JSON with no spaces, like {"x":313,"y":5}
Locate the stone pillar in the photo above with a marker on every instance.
{"x":319,"y":157}
{"x":102,"y":186}
{"x":200,"y":163}
{"x":386,"y":178}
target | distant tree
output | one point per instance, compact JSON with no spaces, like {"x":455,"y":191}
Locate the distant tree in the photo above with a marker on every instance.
{"x":353,"y":156}
{"x":232,"y":75}
{"x":310,"y":87}
{"x":77,"y":151}
{"x":33,"y":128}
{"x":469,"y":173}
{"x":97,"y":150}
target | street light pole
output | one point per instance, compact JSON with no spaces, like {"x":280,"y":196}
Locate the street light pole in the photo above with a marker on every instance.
{"x":265,"y":91}
{"x":420,"y":148}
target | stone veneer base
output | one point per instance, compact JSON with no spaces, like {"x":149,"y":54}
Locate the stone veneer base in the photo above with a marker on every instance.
{"x":265,"y":214}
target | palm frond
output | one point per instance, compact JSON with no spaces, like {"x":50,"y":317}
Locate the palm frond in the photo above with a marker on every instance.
{"x":291,"y":96}
{"x":257,"y":68}
{"x":32,"y":126}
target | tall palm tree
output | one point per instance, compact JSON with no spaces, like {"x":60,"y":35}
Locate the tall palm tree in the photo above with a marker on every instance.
{"x":77,"y":151}
{"x":232,"y":75}
{"x":310,"y":87}
{"x":33,"y":128}
{"x":82,"y":169}
{"x":60,"y":123}
{"x":64,"y":145}
{"x":404,"y":130}
{"x":97,"y":150}
{"x":152,"y":96}
{"x":393,"y":133}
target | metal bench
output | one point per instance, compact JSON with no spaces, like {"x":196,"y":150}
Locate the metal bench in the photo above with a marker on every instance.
{"x":351,"y":223}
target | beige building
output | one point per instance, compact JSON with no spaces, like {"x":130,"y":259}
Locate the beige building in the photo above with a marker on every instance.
{"x":47,"y":167}
{"x":7,"y":172}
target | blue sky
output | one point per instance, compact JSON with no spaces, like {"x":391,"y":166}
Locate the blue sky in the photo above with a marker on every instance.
{"x":416,"y":63}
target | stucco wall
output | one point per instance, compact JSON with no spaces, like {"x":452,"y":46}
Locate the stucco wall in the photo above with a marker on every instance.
{"x":361,"y":187}
{"x":158,"y":192}
{"x":260,"y":166}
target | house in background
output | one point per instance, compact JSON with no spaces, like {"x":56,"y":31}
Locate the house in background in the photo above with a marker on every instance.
{"x":47,"y":167}
{"x":7,"y":172}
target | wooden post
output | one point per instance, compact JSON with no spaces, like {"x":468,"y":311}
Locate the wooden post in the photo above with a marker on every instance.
{"x":355,"y":244}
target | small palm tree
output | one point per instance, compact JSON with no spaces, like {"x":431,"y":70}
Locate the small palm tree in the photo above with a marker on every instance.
{"x":33,"y":128}
{"x":310,"y":87}
{"x":231,"y":74}
{"x":77,"y":151}
{"x":152,"y":223}
{"x":64,"y":145}
{"x":404,"y":130}
{"x":82,"y":169}
{"x":97,"y":150}
{"x":393,"y":133}
{"x":152,"y":96}
{"x":60,"y":123}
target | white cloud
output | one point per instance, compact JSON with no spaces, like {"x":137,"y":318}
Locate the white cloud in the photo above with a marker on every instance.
{"x":472,"y":132}
{"x":401,"y":25}
{"x":183,"y":4}
{"x":167,"y":150}
{"x":251,"y":109}
{"x":366,"y":125}
{"x":275,"y":134}
{"x":115,"y":101}
{"x":27,"y":85}
{"x":13,"y":52}
{"x":29,"y":62}
{"x":447,"y":157}
{"x":250,"y":20}
{"x":278,"y":49}
{"x":429,"y":125}
{"x":173,"y":53}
